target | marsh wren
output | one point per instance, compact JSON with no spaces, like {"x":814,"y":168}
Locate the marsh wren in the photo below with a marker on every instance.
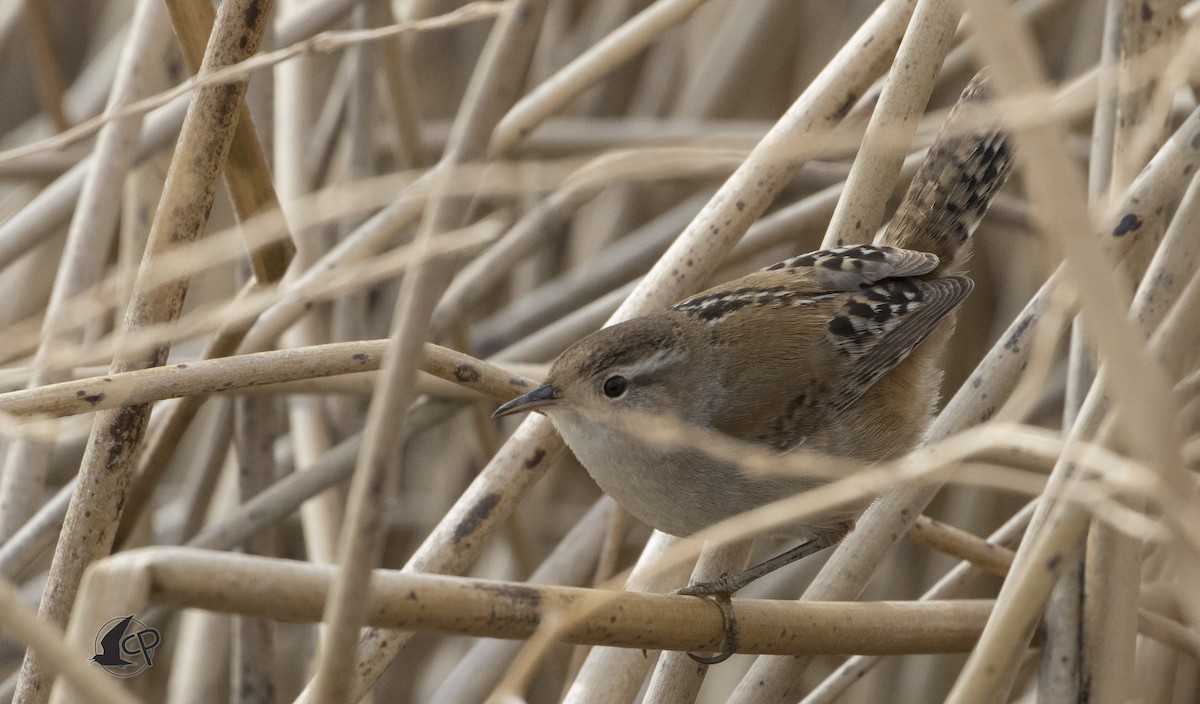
{"x":834,"y":351}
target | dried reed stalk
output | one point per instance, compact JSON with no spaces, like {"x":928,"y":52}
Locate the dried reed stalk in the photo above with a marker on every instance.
{"x":501,"y":179}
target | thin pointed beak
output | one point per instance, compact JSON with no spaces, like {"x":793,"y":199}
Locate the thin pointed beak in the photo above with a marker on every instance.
{"x":542,"y":396}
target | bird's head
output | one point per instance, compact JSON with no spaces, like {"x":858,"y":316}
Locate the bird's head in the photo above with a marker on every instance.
{"x":644,"y":365}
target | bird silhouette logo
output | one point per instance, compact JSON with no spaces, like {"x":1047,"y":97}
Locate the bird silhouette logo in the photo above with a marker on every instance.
{"x":115,"y":642}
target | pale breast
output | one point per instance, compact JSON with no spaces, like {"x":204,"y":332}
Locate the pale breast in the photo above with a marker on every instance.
{"x":677,"y":492}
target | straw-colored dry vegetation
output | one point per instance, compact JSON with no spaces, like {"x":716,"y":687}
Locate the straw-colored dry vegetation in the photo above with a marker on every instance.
{"x":253,"y":334}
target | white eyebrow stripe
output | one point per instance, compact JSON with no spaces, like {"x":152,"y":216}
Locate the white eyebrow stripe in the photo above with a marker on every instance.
{"x":654,"y":362}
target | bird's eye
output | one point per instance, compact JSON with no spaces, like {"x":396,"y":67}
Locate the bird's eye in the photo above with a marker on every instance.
{"x":614,"y":386}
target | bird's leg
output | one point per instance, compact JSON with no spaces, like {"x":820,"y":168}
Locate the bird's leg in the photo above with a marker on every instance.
{"x":721,"y":590}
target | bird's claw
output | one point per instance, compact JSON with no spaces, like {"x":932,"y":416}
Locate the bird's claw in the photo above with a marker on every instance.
{"x":724,"y":585}
{"x":711,"y":591}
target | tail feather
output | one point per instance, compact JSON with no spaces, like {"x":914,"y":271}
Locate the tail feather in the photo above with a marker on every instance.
{"x":965,"y":167}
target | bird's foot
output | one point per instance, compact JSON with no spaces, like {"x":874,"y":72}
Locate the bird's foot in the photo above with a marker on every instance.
{"x":719,"y":593}
{"x":722,"y":589}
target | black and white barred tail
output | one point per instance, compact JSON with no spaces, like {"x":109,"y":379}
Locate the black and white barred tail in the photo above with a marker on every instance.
{"x":967,"y":164}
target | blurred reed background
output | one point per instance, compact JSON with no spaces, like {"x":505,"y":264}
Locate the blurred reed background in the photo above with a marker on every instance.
{"x":496,"y":178}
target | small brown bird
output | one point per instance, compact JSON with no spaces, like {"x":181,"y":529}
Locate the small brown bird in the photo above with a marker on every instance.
{"x":834,"y":351}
